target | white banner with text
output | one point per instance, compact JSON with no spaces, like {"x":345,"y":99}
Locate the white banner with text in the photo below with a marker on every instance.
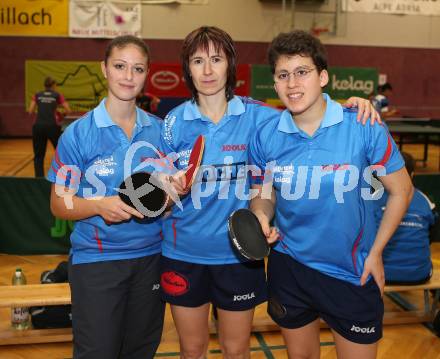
{"x":104,"y":19}
{"x":406,"y":7}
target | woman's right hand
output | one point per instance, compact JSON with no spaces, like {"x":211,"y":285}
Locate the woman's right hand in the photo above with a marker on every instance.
{"x":113,"y":210}
{"x":271,"y":233}
{"x":178,"y":181}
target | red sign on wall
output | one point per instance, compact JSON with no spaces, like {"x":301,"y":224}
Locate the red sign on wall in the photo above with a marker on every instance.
{"x":243,"y":80}
{"x":166,"y":80}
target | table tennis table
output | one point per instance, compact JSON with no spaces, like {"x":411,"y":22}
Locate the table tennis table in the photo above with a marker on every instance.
{"x":415,"y":130}
{"x":71,"y":117}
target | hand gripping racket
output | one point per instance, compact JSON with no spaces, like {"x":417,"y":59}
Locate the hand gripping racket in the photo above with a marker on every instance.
{"x":59,"y":118}
{"x":194,"y":160}
{"x":145,"y":188}
{"x":246,"y":235}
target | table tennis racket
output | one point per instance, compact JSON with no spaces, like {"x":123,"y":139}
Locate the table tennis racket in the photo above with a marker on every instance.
{"x":246,"y":235}
{"x":144,"y":187}
{"x":194,"y":160}
{"x":59,"y":118}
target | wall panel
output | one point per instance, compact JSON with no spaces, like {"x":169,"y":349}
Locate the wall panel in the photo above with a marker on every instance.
{"x":414,"y":73}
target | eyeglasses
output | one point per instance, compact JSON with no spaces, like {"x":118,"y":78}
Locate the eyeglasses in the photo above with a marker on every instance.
{"x":298,"y":75}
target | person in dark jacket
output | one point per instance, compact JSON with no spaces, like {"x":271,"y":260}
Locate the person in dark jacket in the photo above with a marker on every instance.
{"x":45,"y":127}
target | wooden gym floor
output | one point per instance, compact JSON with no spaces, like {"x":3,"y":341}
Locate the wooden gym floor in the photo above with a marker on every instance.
{"x":399,"y":341}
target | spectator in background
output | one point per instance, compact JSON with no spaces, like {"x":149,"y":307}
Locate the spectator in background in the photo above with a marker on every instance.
{"x":382,"y":102}
{"x":46,"y":126}
{"x":407,"y":256}
{"x":147,"y":102}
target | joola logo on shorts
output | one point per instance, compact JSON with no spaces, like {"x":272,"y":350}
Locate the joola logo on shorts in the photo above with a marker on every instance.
{"x":363,"y":330}
{"x":244,"y":297}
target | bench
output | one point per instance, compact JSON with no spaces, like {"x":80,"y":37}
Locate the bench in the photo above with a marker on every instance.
{"x":57,"y":294}
{"x":34,"y":295}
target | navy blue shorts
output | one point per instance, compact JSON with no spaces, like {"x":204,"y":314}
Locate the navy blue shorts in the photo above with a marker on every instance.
{"x":238,"y":286}
{"x":298,"y":295}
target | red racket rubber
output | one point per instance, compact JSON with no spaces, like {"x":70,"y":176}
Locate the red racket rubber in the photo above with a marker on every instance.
{"x":194,"y":160}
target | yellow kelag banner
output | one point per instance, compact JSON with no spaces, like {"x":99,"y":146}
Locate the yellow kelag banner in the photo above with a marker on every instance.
{"x":81,"y":83}
{"x":34,"y":17}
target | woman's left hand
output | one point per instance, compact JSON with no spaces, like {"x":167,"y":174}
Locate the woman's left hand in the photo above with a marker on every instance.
{"x":374,"y":265}
{"x":365,"y":110}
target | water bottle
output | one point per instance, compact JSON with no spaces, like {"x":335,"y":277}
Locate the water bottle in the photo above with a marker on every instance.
{"x":19,"y":315}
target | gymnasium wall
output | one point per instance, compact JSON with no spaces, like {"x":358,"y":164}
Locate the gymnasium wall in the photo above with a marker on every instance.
{"x":405,"y":48}
{"x":261,"y":20}
{"x":414,"y":73}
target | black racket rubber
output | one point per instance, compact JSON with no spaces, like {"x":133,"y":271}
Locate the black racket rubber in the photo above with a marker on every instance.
{"x":152,"y":201}
{"x":247,"y":236}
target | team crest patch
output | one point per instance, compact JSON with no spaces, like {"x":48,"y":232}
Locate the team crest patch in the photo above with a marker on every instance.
{"x":168,"y":125}
{"x":105,"y":166}
{"x":174,"y":283}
